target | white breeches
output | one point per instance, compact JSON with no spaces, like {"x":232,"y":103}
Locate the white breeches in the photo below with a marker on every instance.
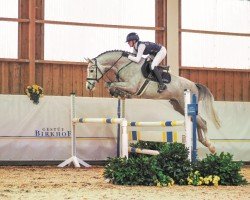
{"x":159,"y":57}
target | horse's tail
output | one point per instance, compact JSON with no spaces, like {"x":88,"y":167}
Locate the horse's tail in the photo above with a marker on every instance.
{"x":207,"y":100}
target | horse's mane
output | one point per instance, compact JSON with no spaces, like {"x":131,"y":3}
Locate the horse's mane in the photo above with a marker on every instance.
{"x":112,"y":51}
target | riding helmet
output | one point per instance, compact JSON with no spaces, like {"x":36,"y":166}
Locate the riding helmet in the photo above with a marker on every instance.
{"x":132,"y":36}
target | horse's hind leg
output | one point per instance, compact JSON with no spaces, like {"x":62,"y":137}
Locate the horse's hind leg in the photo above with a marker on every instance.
{"x":202,"y":127}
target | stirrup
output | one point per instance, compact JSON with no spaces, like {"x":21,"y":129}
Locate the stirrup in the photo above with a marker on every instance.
{"x":161,"y":88}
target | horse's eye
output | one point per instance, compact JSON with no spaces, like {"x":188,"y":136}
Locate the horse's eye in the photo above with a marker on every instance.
{"x":91,"y":70}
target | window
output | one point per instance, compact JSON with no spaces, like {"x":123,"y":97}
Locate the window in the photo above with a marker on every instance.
{"x":216,"y":50}
{"x":73,"y":43}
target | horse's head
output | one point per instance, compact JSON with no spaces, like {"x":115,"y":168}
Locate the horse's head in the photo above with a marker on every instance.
{"x":99,"y":66}
{"x":94,"y":73}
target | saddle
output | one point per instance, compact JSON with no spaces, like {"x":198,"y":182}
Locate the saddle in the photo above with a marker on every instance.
{"x":148,"y":74}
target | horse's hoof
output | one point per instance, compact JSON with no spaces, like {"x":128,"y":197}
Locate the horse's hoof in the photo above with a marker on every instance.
{"x":212,"y":149}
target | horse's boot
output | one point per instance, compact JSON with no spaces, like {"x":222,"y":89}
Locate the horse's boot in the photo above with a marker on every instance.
{"x":161,"y":86}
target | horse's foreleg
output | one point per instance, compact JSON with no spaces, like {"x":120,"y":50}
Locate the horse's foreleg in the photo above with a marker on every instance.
{"x":177,"y":106}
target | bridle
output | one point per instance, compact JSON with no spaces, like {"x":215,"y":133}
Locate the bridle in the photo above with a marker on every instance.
{"x":97,"y":68}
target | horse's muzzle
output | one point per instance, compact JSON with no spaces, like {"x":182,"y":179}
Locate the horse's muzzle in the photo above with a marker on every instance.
{"x":90,"y":85}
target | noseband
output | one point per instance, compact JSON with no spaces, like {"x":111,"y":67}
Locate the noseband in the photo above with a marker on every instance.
{"x":97,"y":69}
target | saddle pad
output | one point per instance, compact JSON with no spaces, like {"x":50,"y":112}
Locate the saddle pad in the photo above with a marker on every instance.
{"x":147,"y":73}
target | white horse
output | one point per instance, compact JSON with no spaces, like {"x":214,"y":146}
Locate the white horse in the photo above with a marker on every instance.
{"x":130,"y":82}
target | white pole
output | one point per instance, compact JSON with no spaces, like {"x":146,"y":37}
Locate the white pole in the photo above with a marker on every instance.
{"x":188,"y":123}
{"x":157,"y":123}
{"x":98,"y":120}
{"x":124,"y":145}
{"x":73,"y":126}
{"x":143,"y":151}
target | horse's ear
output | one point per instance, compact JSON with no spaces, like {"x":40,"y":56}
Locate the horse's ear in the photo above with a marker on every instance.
{"x":88,"y":60}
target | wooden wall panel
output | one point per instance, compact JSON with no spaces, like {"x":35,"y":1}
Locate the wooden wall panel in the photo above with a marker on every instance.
{"x":246,"y":86}
{"x":5,"y":78}
{"x":48,"y":79}
{"x":62,"y":79}
{"x":203,"y":77}
{"x":78,"y":81}
{"x":211,"y":81}
{"x":229,"y":86}
{"x":225,"y":85}
{"x":14,"y":82}
{"x":23,"y":29}
{"x":220,"y":86}
{"x":24,"y":77}
{"x":237,"y":86}
{"x":39,"y":50}
{"x":57,"y":80}
{"x":67,"y":80}
{"x":39,"y":74}
{"x":13,"y":77}
{"x":160,"y":13}
{"x":194,"y":76}
{"x":185,"y":73}
{"x":1,"y":82}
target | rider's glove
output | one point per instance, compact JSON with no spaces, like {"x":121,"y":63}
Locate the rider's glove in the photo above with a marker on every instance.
{"x":125,"y":54}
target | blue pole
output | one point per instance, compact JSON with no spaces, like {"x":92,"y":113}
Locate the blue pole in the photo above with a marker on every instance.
{"x":194,"y":151}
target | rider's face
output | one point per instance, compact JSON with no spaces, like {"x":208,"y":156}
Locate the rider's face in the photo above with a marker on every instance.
{"x":131,"y":43}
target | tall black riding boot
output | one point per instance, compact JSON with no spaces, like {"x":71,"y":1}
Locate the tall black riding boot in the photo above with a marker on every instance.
{"x":161,"y":86}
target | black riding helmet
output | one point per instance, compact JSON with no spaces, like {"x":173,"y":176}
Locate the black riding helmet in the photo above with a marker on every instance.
{"x":132,"y":36}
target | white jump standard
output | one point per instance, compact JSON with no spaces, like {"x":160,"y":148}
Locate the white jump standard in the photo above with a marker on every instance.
{"x":76,"y":161}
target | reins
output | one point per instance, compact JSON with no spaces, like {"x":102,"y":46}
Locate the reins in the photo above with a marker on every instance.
{"x":102,"y":74}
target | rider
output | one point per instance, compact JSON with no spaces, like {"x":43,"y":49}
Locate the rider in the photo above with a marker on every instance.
{"x":155,"y":51}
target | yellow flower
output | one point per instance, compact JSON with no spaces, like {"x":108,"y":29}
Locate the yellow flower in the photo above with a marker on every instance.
{"x":35,"y":87}
{"x":216,"y":184}
{"x":216,"y":178}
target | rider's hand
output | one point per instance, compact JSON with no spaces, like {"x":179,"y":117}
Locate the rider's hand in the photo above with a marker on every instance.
{"x":125,"y":54}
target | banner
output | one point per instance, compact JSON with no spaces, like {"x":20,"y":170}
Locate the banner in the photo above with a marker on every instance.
{"x":42,"y":132}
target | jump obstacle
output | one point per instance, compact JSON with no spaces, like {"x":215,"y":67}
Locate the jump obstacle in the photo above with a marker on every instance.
{"x":169,"y":136}
{"x":190,"y":127}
